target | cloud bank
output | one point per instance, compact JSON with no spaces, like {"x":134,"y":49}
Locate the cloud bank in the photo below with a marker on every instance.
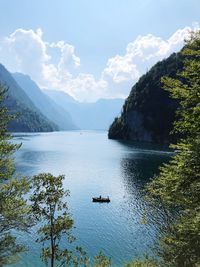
{"x":55,"y":65}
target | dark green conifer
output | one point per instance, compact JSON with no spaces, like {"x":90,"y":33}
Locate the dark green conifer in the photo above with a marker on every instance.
{"x":14,"y":211}
{"x":178,"y":185}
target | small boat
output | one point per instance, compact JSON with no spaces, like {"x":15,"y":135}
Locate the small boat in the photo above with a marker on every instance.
{"x":101,"y":199}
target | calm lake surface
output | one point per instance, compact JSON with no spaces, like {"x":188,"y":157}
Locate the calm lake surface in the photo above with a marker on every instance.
{"x":95,"y":166}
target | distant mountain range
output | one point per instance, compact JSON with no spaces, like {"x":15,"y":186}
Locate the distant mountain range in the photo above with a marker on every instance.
{"x":50,"y":110}
{"x":88,"y":116}
{"x":149,"y":112}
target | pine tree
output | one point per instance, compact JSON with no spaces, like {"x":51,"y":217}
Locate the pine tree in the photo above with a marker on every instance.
{"x":177,"y":187}
{"x":14,"y":211}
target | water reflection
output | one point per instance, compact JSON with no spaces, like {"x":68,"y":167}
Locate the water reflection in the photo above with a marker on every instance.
{"x":137,"y":168}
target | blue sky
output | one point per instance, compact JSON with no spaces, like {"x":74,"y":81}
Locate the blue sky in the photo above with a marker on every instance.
{"x":99,"y":41}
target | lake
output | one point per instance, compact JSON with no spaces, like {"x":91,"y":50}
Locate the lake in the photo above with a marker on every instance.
{"x":93,"y":166}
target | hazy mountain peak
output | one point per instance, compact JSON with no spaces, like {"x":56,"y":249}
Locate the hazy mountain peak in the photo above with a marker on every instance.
{"x":58,"y":94}
{"x":46,"y":105}
{"x":88,"y":116}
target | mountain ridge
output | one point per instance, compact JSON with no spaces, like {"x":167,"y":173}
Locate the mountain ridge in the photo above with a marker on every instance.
{"x":45,"y":104}
{"x":149,"y":112}
{"x":30,"y":119}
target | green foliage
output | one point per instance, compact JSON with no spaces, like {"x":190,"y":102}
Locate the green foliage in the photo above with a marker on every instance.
{"x":148,"y":112}
{"x":51,"y":212}
{"x":6,"y":148}
{"x":102,"y":261}
{"x":30,"y":118}
{"x":178,"y":185}
{"x":119,"y":129}
{"x":9,"y":250}
{"x":48,"y":207}
{"x":13,"y":207}
{"x":147,"y":262}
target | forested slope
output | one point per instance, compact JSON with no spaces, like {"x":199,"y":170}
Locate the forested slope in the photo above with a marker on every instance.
{"x":148,"y":113}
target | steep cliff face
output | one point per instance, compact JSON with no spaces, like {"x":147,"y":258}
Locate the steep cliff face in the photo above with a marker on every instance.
{"x":148,"y":113}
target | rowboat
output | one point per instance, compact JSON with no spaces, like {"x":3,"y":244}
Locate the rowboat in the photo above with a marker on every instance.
{"x":101,"y":199}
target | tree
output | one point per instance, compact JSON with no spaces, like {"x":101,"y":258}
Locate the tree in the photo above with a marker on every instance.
{"x":48,"y":207}
{"x":147,"y":262}
{"x":177,"y":187}
{"x":7,"y":167}
{"x":13,"y":207}
{"x":101,"y":261}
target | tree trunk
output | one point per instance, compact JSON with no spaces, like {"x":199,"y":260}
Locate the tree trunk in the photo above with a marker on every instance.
{"x":52,"y":244}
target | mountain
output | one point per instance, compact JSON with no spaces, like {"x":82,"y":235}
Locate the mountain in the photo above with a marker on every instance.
{"x":30,"y":118}
{"x":149,"y":112}
{"x":45,"y":104}
{"x":60,"y":97}
{"x":88,"y":116}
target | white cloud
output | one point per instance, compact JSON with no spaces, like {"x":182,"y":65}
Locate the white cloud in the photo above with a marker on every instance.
{"x":28,"y":51}
{"x":87,"y":87}
{"x":146,"y":50}
{"x":68,"y":58}
{"x":121,"y":69}
{"x":53,"y":65}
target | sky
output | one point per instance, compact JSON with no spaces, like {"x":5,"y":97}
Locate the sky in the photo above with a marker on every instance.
{"x":92,"y":49}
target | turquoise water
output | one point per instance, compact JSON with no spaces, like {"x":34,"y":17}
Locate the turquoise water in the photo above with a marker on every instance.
{"x":95,"y":166}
